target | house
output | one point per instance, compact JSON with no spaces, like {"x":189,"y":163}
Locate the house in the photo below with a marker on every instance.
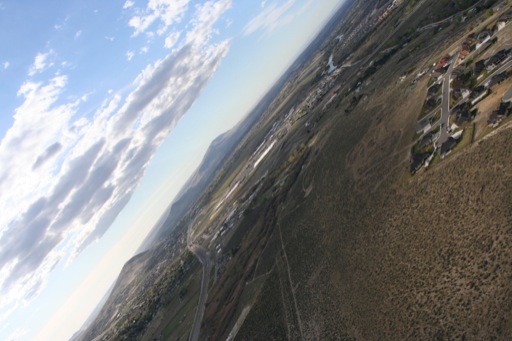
{"x":447,"y":147}
{"x":496,"y":60}
{"x":498,"y":79}
{"x":418,"y":161}
{"x":506,"y":17}
{"x":478,"y":93}
{"x":494,"y":120}
{"x":431,"y":103}
{"x":479,"y":67}
{"x":465,"y":93}
{"x":499,"y":115}
{"x":463,"y":116}
{"x":482,"y":38}
{"x":456,"y":92}
{"x":462,"y":113}
{"x":442,"y":62}
{"x":423,"y":126}
{"x":460,"y":108}
{"x":428,"y":139}
{"x":467,"y":46}
{"x":500,"y":25}
{"x":434,"y":89}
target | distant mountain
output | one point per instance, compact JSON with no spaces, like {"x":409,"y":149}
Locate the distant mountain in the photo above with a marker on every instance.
{"x":168,"y":237}
{"x":77,"y":335}
{"x":218,"y":152}
{"x":225,"y":144}
{"x":112,"y":299}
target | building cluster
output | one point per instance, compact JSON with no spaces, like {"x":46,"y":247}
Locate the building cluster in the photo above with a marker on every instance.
{"x":317,"y":94}
{"x":370,"y":22}
{"x":469,"y":85}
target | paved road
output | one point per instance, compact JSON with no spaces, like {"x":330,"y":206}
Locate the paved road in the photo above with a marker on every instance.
{"x":445,"y":104}
{"x":507,"y":97}
{"x":204,"y":258}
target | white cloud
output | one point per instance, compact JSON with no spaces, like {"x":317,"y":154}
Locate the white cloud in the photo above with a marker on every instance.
{"x":17,"y":334}
{"x":129,"y":55}
{"x":171,"y":39}
{"x":109,"y":38}
{"x":41,"y":63}
{"x":6,"y":65}
{"x":38,"y":124}
{"x":65,"y":177}
{"x":166,"y":12}
{"x":143,"y":50}
{"x":78,"y":34}
{"x":63,"y":23}
{"x":274,"y":16}
{"x":128,"y":4}
{"x":203,"y":22}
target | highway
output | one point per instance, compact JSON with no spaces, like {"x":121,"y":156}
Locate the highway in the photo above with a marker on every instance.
{"x":204,"y":258}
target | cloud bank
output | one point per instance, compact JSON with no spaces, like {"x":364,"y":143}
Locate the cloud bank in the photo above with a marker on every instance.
{"x":66,"y":176}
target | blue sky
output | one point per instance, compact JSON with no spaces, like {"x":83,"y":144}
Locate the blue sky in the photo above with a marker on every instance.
{"x":107,"y":108}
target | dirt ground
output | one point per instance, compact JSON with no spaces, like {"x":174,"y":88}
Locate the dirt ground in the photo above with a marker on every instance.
{"x":360,"y":250}
{"x":373,"y":254}
{"x":488,"y":105}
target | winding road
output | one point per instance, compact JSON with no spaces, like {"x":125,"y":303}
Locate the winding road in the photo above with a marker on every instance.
{"x":204,"y":258}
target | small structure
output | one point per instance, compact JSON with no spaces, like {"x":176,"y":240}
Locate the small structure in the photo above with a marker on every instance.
{"x":435,"y":88}
{"x":499,"y":115}
{"x":500,"y":25}
{"x":418,"y":161}
{"x":428,"y":138}
{"x":478,"y":93}
{"x":482,"y":38}
{"x":496,"y":60}
{"x":462,"y":113}
{"x":504,"y":20}
{"x":447,"y":147}
{"x":423,"y":127}
{"x":479,"y":67}
{"x":498,"y":79}
{"x":442,"y":62}
{"x":467,"y":46}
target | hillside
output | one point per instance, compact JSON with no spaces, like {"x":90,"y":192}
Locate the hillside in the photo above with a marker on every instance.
{"x":310,"y":218}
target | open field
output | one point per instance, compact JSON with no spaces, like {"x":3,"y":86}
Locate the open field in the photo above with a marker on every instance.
{"x":327,"y":236}
{"x":370,"y":254}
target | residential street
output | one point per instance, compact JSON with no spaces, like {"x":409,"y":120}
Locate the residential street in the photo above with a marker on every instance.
{"x":445,"y":104}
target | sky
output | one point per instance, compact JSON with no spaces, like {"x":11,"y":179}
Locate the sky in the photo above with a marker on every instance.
{"x":107,"y":107}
